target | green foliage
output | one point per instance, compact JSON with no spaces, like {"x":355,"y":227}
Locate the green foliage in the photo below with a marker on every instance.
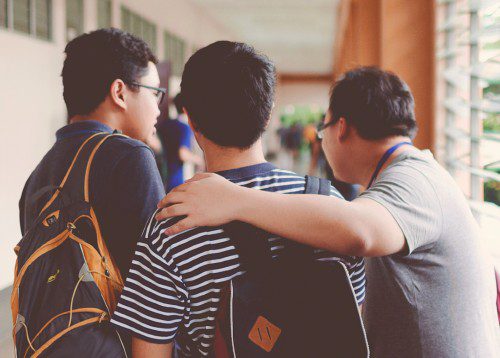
{"x":302,"y":115}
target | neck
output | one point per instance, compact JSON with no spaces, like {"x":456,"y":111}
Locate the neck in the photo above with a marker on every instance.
{"x":370,"y":154}
{"x":106,"y":118}
{"x":223,"y":158}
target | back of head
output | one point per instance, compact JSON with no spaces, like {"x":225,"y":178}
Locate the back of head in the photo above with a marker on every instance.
{"x":94,"y":60}
{"x":228,"y":89}
{"x":377,"y":103}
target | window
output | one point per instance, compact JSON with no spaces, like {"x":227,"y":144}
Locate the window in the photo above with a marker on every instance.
{"x":74,"y":19}
{"x":32,"y":17}
{"x":175,"y":50}
{"x":103,"y":14}
{"x":22,"y":16}
{"x":468,"y":64}
{"x":139,"y":26}
{"x":42,"y":15}
{"x":3,"y":13}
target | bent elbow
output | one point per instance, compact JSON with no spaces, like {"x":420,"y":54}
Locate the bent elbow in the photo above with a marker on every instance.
{"x":360,"y":243}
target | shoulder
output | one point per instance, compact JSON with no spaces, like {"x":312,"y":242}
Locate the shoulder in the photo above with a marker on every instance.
{"x":127,"y":151}
{"x":120,"y":144}
{"x":275,"y":180}
{"x":185,"y":244}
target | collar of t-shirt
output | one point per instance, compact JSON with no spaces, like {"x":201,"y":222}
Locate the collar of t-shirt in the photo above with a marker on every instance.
{"x":87,"y":126}
{"x":248,"y":171}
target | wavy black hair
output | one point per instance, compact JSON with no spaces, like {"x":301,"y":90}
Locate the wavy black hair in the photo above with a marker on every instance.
{"x":228,"y":89}
{"x":94,"y":60}
{"x":377,"y":103}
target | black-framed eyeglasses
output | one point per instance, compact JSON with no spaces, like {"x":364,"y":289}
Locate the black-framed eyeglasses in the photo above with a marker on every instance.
{"x":159,"y":91}
{"x":320,"y":129}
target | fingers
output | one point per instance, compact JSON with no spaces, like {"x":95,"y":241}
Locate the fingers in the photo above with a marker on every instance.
{"x":174,"y":197}
{"x":181,"y":226}
{"x":171,"y":211}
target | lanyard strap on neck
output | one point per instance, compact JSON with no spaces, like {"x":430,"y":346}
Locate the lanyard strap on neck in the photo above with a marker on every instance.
{"x":384,"y":159}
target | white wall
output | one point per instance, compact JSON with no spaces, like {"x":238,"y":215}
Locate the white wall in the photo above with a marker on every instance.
{"x":31,"y":103}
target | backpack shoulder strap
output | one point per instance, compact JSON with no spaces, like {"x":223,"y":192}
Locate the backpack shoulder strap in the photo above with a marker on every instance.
{"x":75,"y":183}
{"x":296,"y":251}
{"x":315,"y":185}
{"x":251,"y":245}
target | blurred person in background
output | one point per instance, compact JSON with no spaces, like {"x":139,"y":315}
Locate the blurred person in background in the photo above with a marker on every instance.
{"x":176,"y":137}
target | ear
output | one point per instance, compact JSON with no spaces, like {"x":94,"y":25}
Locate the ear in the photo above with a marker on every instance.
{"x":118,"y":93}
{"x":197,"y":135}
{"x":344,"y":129}
{"x":191,"y":124}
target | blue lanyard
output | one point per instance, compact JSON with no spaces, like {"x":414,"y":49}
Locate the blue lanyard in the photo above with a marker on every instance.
{"x":384,"y":158}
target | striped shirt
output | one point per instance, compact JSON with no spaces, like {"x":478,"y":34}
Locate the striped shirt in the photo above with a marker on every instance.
{"x":174,"y":285}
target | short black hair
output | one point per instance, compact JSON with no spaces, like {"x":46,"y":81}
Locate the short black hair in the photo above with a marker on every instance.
{"x":377,"y":103}
{"x":178,"y":103}
{"x":228,"y":89}
{"x":94,"y":60}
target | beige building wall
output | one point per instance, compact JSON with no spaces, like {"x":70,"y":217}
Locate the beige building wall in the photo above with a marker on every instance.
{"x":31,"y":103}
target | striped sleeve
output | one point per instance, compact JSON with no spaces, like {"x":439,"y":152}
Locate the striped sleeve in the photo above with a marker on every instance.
{"x":357,"y":268}
{"x":334,"y":192}
{"x":358,"y":279}
{"x":154,"y":300}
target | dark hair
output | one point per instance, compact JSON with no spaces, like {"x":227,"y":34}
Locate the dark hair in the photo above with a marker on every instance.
{"x":377,"y":103}
{"x":178,"y":103}
{"x":96,"y":59}
{"x":228,"y":90}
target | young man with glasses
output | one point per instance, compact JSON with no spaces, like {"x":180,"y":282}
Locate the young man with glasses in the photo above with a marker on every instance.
{"x":110,"y":85}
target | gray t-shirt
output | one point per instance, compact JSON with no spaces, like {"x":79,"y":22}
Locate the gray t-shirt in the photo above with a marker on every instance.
{"x":437,"y":299}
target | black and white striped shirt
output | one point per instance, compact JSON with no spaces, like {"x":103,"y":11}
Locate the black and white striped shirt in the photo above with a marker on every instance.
{"x":174,"y":283}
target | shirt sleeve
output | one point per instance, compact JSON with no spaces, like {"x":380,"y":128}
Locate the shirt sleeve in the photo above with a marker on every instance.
{"x":154,"y":300}
{"x":133,"y":191}
{"x":185,"y":136}
{"x":413,"y":202}
{"x":334,"y":192}
{"x":355,"y":265}
{"x":358,"y":279}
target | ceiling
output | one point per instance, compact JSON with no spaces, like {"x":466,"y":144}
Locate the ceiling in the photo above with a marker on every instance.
{"x":297,"y":35}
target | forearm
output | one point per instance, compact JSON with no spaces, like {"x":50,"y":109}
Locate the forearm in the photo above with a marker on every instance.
{"x":145,"y":349}
{"x":324,"y":222}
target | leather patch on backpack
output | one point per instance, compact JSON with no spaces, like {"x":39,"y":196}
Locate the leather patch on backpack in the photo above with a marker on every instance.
{"x":264,"y":334}
{"x":51,"y":219}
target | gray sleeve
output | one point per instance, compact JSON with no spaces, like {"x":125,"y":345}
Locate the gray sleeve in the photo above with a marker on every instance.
{"x":413,"y":202}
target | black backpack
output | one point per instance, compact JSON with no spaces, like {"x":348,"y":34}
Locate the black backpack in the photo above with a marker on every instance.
{"x":292,"y":306}
{"x":66,"y":284}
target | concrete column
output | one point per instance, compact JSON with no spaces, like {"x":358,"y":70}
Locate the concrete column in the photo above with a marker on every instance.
{"x":89,"y":15}
{"x":116,"y":13}
{"x":396,"y":35}
{"x":160,"y":49}
{"x":59,"y":22}
{"x":360,"y":36}
{"x":407,"y":40}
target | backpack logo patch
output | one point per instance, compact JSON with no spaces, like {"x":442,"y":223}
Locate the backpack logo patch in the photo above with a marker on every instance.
{"x":51,"y":219}
{"x":53,"y":277}
{"x":264,"y":334}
